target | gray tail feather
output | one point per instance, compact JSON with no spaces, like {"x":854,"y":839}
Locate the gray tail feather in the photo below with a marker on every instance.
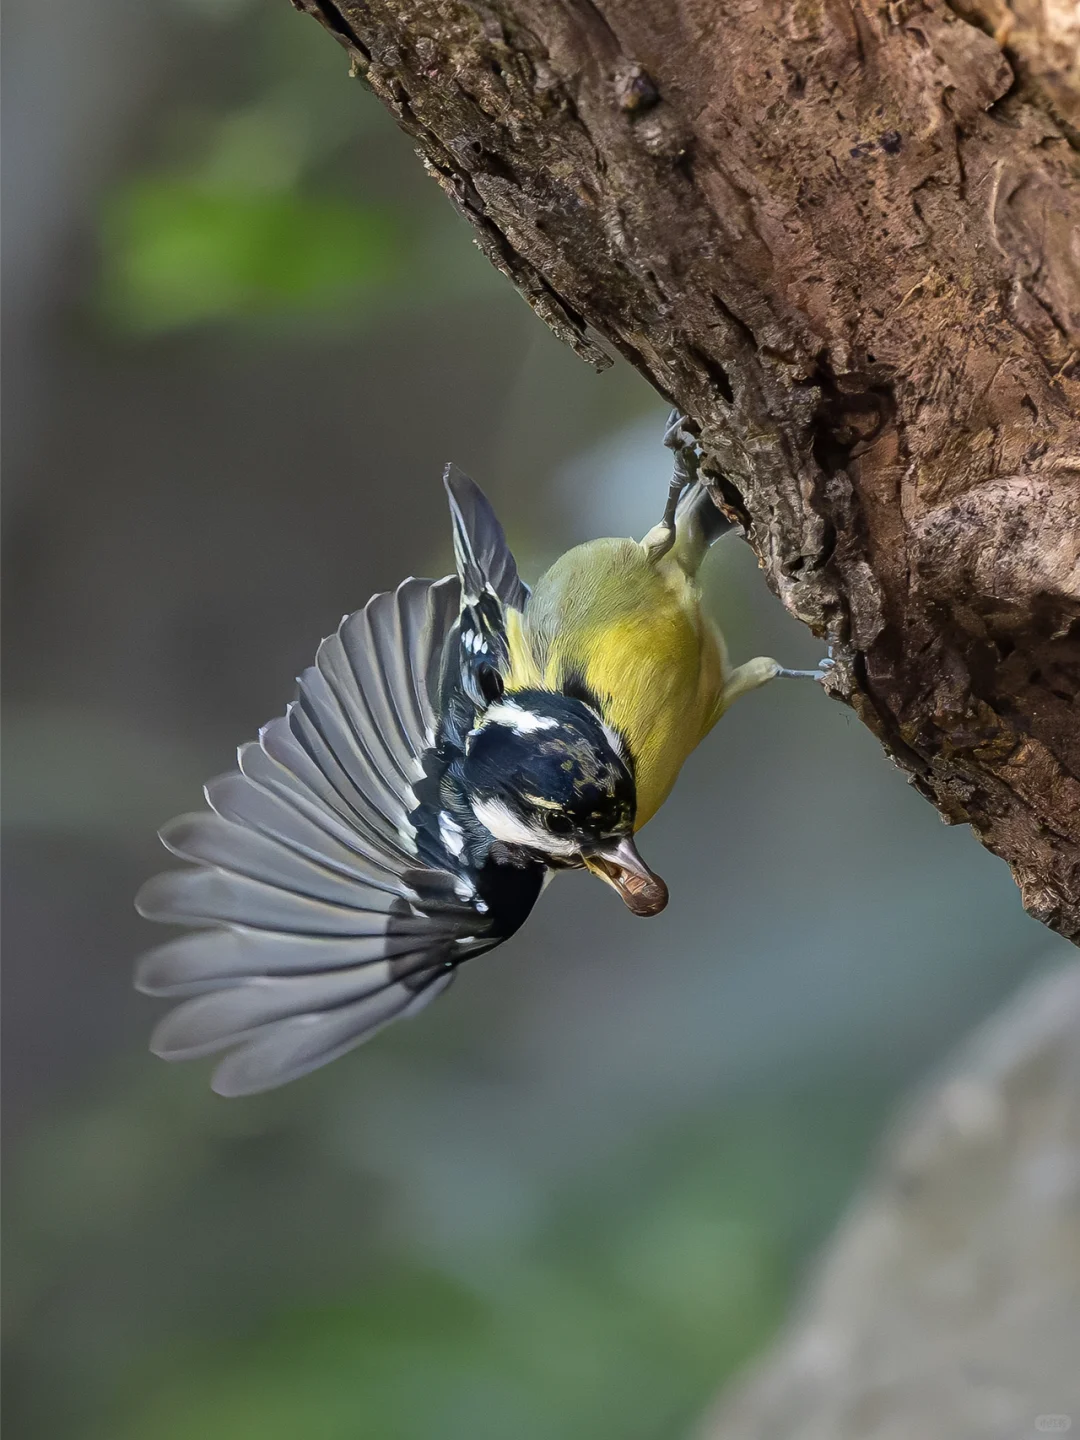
{"x":483,"y":557}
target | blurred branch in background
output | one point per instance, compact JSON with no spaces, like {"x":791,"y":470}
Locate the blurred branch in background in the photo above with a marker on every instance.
{"x":577,"y":1195}
{"x":948,"y":1303}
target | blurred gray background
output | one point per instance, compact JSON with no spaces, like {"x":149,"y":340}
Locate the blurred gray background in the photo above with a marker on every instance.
{"x":243,"y":333}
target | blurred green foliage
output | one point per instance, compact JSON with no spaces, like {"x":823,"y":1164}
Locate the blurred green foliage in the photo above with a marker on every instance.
{"x":246,"y":209}
{"x":612,"y":1315}
{"x":421,"y":1356}
{"x":177,"y":253}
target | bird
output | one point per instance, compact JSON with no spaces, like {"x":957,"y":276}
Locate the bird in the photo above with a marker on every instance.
{"x":455,"y":745}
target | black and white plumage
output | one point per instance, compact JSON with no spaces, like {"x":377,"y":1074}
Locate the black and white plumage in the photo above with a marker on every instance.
{"x":454,"y":744}
{"x":342,"y":867}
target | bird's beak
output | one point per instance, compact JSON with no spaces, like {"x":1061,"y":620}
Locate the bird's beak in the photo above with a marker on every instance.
{"x":623,"y":868}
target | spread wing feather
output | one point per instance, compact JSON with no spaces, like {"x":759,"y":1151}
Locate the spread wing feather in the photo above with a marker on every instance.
{"x":332,"y":920}
{"x":301,"y":826}
{"x":283,"y":766}
{"x":344,"y":741}
{"x":214,"y":959}
{"x":207,"y":839}
{"x":211,"y":1022}
{"x":290,"y":1048}
{"x":214,"y":896}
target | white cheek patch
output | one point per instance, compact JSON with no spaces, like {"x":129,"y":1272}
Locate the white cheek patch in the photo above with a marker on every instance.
{"x":501,"y":822}
{"x":522,"y":722}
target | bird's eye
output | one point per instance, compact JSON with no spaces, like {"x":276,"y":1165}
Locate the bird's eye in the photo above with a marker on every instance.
{"x":558,"y":824}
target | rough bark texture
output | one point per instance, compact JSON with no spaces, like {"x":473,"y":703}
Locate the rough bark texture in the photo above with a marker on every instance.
{"x":843,"y":236}
{"x":947,"y":1306}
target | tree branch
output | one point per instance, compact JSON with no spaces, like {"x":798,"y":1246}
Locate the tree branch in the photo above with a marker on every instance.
{"x":944,"y":1306}
{"x":842,"y":236}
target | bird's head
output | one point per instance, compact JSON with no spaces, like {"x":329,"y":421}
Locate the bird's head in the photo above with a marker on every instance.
{"x":544,"y":775}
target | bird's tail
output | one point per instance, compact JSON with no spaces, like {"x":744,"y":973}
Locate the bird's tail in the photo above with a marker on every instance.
{"x":484,"y":559}
{"x":699,"y":523}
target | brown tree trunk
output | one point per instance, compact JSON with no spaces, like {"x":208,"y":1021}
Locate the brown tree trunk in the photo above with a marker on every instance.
{"x":844,"y":237}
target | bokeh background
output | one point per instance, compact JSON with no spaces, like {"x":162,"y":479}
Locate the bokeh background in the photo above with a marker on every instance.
{"x":243,"y":333}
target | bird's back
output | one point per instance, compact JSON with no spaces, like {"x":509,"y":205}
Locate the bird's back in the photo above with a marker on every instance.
{"x":632,"y":632}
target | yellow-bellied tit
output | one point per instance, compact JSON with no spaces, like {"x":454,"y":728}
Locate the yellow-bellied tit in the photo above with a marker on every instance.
{"x":455,"y":743}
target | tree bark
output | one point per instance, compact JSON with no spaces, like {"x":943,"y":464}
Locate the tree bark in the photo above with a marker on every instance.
{"x":844,"y":237}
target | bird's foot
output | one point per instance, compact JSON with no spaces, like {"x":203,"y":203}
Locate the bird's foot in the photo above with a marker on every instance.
{"x":677,"y":433}
{"x":823,"y":668}
{"x":679,"y":438}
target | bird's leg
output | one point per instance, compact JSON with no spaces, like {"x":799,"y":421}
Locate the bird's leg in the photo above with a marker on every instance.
{"x":744,"y":678}
{"x":677,"y":438}
{"x":760,"y":671}
{"x":685,"y":447}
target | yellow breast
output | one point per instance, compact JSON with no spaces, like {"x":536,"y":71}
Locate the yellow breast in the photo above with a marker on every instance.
{"x":635,"y":633}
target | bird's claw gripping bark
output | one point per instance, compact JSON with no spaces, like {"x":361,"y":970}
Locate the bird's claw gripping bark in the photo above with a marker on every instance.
{"x":823,"y":668}
{"x":682,"y":443}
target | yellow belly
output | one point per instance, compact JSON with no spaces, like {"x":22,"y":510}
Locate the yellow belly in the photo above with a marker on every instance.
{"x":658,"y":677}
{"x":636,"y":634}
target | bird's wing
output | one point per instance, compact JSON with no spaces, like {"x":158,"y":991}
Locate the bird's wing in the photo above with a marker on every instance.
{"x":339,"y":911}
{"x":490,"y":588}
